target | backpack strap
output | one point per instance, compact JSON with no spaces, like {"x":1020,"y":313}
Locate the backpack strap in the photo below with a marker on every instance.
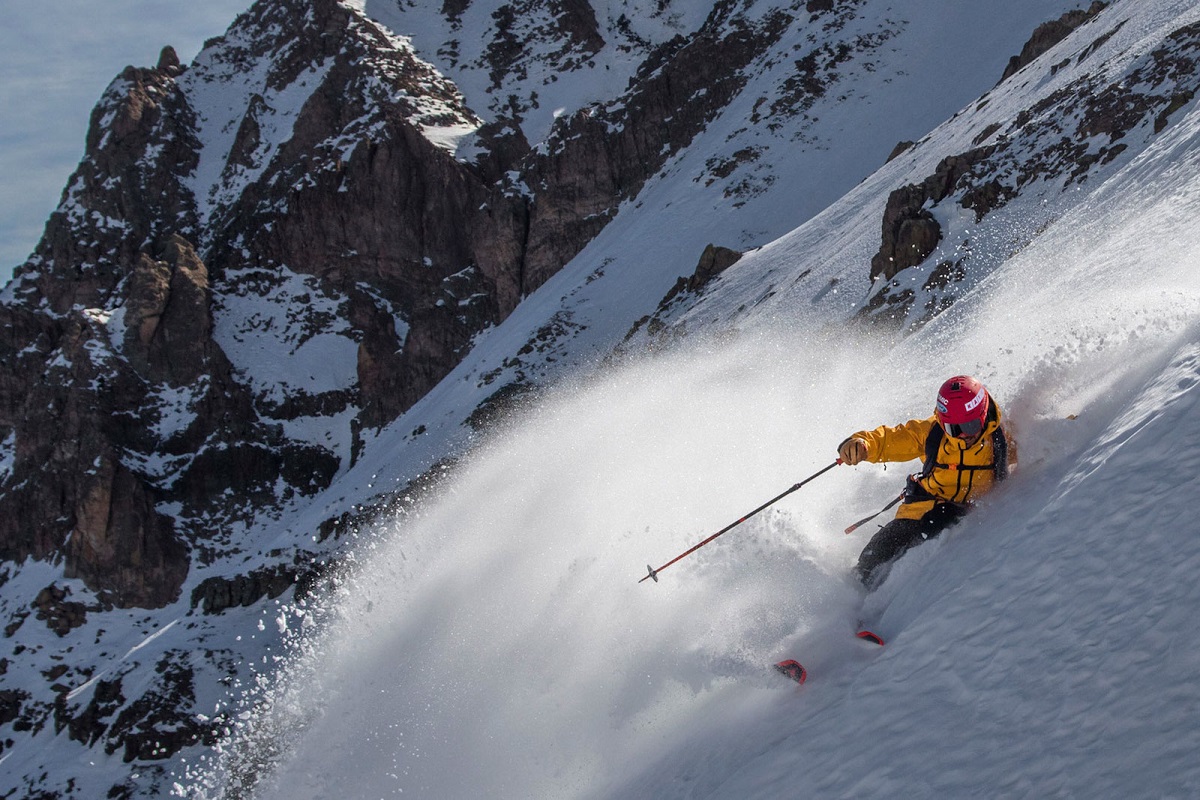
{"x":1000,"y":453}
{"x":933,"y":443}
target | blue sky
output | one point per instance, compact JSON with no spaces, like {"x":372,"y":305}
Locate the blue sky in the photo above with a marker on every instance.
{"x":56,"y":58}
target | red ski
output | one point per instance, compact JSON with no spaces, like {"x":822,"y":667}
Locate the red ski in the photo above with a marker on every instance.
{"x":869,"y":636}
{"x":792,"y":669}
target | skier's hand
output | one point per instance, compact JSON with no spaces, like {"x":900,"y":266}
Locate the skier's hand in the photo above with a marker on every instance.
{"x":852,"y":451}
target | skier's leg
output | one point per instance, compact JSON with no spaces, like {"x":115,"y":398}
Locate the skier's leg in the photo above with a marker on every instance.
{"x":885,"y":547}
{"x":895,"y":538}
{"x":941,"y":517}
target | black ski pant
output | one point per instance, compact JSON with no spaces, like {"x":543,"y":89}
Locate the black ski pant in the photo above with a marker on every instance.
{"x":897,"y":537}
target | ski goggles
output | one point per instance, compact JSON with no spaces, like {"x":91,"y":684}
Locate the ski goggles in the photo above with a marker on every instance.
{"x":965,"y":430}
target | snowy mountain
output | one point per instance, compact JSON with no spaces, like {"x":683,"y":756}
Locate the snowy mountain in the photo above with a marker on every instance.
{"x":371,"y":356}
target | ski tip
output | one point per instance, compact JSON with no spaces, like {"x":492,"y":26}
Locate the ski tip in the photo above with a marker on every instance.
{"x":792,"y":669}
{"x":870,"y":637}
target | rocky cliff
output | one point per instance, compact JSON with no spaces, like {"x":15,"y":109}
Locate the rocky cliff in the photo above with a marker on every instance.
{"x":310,"y":144}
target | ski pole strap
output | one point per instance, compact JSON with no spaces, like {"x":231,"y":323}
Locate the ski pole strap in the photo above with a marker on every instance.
{"x":864,"y":521}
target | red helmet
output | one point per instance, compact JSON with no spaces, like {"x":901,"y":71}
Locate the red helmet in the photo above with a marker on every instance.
{"x":962,"y":406}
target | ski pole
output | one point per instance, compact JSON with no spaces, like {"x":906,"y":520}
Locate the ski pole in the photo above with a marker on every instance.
{"x":654,"y":572}
{"x":864,"y":521}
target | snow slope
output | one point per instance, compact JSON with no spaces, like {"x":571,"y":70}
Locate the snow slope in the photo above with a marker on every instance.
{"x":498,"y":643}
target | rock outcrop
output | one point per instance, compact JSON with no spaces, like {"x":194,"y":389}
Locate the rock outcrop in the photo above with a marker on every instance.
{"x":910,"y":231}
{"x":1049,"y":34}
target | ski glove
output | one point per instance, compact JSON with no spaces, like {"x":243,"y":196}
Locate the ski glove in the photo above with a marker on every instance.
{"x":852,"y":451}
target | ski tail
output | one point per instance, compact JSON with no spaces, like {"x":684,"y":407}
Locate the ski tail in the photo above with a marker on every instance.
{"x":870,"y":636}
{"x":792,"y":669}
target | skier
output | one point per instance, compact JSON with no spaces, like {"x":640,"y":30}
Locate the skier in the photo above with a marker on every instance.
{"x":966,"y":452}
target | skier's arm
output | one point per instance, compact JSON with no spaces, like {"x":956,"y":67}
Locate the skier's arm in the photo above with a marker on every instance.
{"x":888,"y":443}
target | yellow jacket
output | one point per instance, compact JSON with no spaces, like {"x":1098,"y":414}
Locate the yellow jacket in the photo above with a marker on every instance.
{"x":959,"y":474}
